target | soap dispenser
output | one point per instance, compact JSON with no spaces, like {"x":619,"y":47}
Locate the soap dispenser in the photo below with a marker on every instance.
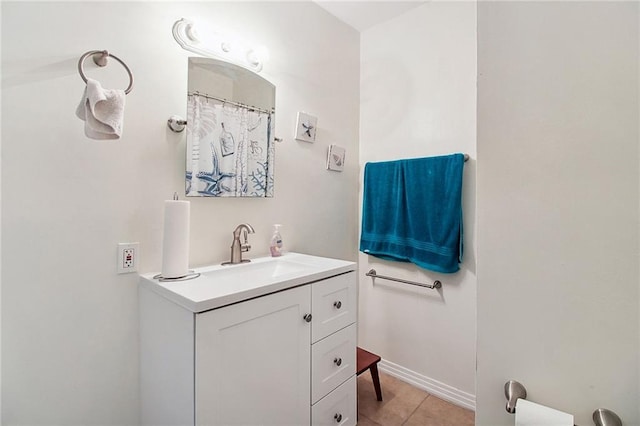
{"x":276,"y":242}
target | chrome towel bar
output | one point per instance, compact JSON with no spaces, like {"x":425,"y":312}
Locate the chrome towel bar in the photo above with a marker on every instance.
{"x":436,"y":284}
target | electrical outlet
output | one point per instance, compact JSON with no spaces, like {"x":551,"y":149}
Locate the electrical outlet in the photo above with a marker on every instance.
{"x":128,"y":258}
{"x":128,"y":254}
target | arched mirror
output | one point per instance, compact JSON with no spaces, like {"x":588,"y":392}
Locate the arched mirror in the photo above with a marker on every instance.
{"x":230,"y":131}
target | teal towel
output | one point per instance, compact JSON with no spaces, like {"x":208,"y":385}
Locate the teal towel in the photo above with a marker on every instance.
{"x":412,"y":211}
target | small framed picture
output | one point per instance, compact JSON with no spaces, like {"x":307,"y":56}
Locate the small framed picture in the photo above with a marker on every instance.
{"x":306,"y":127}
{"x":335,"y":158}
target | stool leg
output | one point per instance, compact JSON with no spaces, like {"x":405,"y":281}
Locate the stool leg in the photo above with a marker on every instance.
{"x":376,"y":380}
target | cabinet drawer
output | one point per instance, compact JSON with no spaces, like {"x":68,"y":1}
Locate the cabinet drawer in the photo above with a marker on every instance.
{"x":337,"y":408}
{"x":333,"y":305}
{"x":333,"y":360}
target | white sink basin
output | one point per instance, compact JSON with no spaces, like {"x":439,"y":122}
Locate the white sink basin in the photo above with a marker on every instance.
{"x":220,"y":285}
{"x":264,"y":268}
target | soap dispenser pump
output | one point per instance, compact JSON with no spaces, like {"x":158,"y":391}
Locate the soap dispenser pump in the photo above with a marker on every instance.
{"x":276,"y":242}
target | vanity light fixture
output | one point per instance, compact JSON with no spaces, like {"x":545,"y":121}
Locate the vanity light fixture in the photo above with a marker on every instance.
{"x":215,"y":45}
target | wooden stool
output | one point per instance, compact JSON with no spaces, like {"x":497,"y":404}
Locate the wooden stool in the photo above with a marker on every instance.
{"x":368,"y":361}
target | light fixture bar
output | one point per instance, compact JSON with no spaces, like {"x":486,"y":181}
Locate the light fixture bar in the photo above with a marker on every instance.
{"x":215,"y":45}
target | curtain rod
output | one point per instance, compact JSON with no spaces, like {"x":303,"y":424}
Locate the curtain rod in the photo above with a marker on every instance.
{"x":226,"y":101}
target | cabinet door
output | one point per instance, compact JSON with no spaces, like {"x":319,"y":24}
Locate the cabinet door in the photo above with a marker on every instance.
{"x":334,"y":304}
{"x":252,"y":362}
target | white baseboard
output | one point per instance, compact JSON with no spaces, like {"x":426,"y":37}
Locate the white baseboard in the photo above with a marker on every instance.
{"x":434,"y":387}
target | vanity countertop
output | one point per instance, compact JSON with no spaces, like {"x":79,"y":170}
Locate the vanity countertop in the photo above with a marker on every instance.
{"x":219,"y":285}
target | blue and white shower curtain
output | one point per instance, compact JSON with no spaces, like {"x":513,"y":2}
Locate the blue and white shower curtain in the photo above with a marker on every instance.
{"x":230,"y":150}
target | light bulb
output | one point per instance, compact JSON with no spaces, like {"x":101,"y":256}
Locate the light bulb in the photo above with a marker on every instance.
{"x":253,"y":58}
{"x":192,"y":33}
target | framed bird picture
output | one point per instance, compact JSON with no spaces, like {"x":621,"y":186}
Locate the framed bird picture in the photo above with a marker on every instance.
{"x":335,"y":158}
{"x":306,"y":127}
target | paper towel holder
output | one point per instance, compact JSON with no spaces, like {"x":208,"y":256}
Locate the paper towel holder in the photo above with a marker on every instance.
{"x":513,"y":391}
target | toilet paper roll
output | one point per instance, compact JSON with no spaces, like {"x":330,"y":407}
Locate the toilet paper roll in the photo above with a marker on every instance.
{"x":532,"y":414}
{"x":175,"y":239}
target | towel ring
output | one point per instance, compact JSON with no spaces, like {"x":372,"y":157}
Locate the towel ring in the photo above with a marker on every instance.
{"x":100,"y":59}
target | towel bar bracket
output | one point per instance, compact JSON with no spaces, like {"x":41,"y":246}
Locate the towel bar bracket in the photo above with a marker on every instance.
{"x":372,"y":273}
{"x":101,"y":58}
{"x":176,"y":123}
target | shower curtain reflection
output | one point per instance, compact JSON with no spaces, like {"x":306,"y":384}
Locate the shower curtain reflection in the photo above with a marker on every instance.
{"x":230,"y":149}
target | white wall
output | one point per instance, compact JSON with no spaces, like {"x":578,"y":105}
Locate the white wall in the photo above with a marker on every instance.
{"x":418,"y":99}
{"x":69,"y":322}
{"x":558,"y":194}
{"x":0,"y":245}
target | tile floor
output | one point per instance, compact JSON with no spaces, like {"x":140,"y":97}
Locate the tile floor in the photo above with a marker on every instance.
{"x":404,"y":404}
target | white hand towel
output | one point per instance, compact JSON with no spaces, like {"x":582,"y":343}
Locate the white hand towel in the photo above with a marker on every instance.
{"x":102,"y":111}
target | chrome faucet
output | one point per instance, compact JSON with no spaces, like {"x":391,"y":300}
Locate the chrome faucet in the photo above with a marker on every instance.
{"x":237,"y":248}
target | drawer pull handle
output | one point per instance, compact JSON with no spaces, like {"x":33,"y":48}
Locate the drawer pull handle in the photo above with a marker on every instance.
{"x":337,"y":361}
{"x":338,"y":417}
{"x":337,"y":304}
{"x":307,"y":317}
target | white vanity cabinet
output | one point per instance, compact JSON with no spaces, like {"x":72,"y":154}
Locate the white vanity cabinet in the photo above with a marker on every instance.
{"x":280,"y":358}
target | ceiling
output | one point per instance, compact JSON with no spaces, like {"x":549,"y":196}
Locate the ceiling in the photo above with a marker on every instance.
{"x":364,"y":14}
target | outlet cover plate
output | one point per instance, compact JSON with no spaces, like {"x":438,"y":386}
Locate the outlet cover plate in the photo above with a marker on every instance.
{"x":128,"y":254}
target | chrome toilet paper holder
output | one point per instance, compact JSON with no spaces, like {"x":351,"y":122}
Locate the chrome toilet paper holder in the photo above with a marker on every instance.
{"x":514,"y":390}
{"x":604,"y":417}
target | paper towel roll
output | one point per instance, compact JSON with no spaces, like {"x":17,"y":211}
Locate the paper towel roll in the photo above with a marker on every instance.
{"x":175,"y":239}
{"x":532,"y":414}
